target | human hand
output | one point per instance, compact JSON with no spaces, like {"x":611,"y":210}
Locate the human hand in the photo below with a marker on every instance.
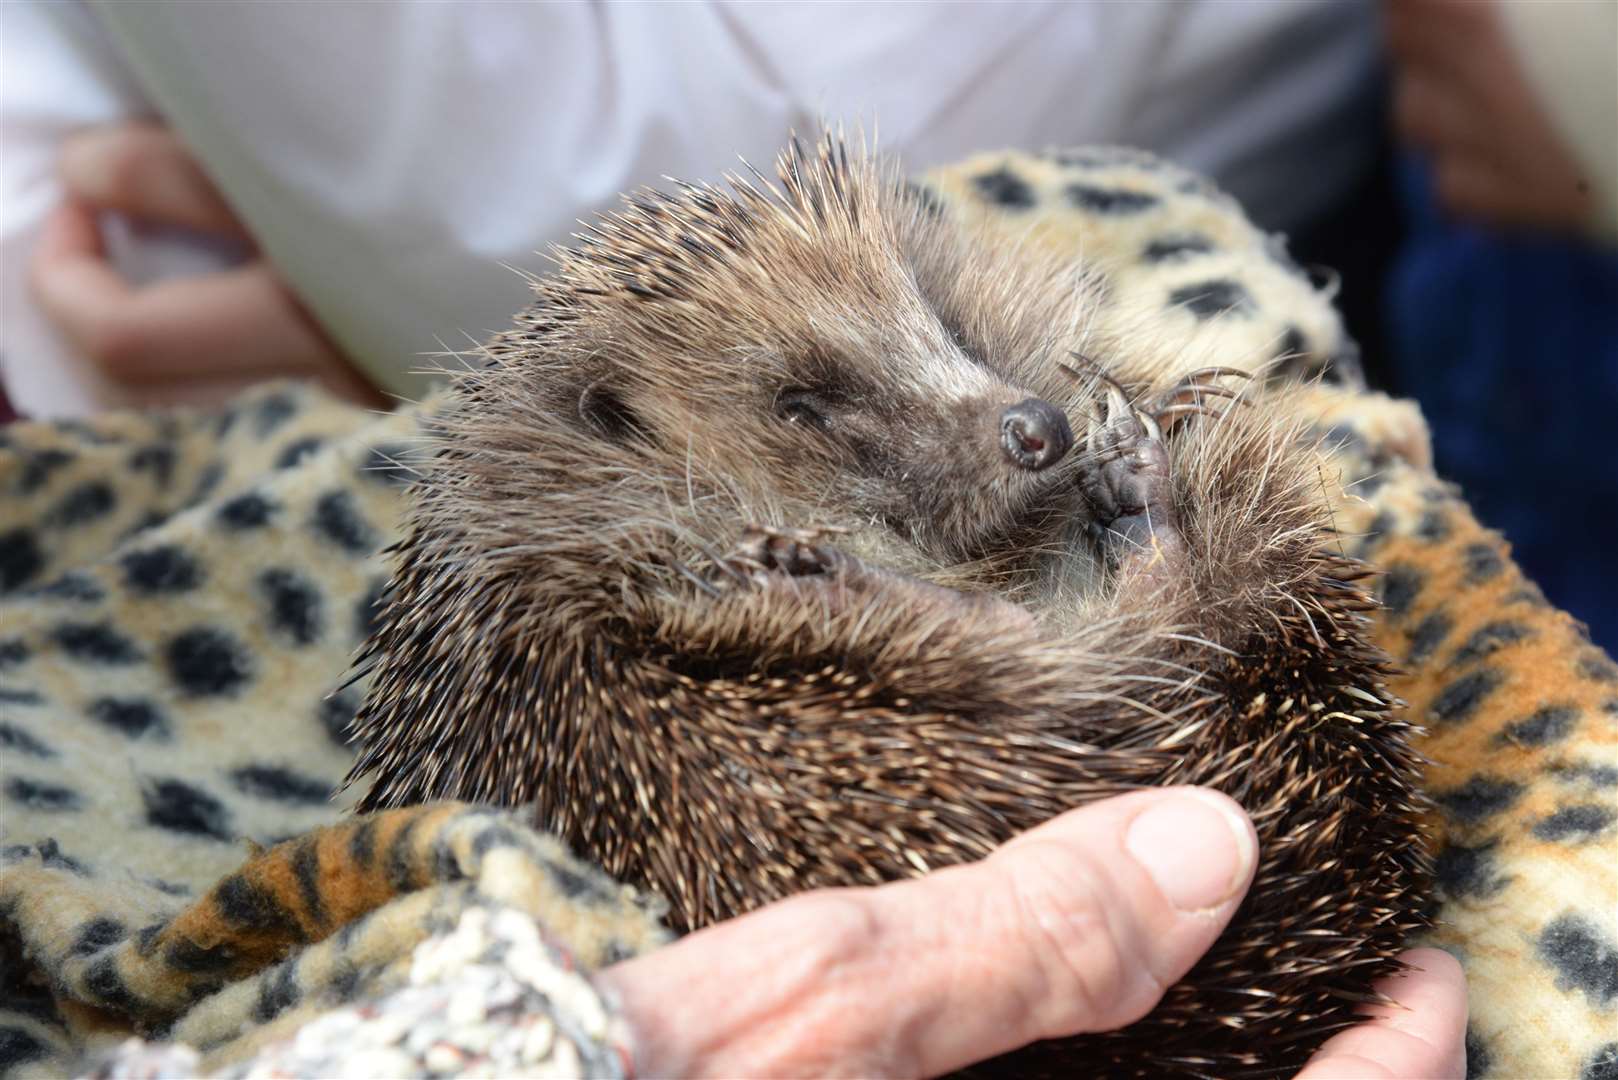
{"x":1077,"y":926}
{"x":1461,"y":94}
{"x":189,"y":338}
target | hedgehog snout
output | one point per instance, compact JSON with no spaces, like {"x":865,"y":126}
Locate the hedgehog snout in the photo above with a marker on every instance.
{"x":1035,"y":434}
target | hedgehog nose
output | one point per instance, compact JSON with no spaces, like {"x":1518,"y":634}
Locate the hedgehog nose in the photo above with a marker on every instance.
{"x":1034,"y":434}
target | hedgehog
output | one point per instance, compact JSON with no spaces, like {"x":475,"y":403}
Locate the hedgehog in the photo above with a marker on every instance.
{"x":796,"y":537}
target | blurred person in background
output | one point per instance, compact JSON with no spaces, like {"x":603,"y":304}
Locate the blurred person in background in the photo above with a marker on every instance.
{"x":1503,"y":306}
{"x":364,"y":170}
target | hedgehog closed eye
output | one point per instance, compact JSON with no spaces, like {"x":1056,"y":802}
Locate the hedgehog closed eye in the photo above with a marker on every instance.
{"x":805,"y":408}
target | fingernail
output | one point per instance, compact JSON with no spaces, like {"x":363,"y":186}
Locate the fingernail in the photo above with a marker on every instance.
{"x":1198,"y":850}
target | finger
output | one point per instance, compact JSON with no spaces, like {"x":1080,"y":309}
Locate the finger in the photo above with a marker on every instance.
{"x":145,"y":171}
{"x":239,"y":320}
{"x":1427,"y":112}
{"x":234,"y":321}
{"x":1422,"y":1035}
{"x":213,"y":331}
{"x":1079,"y":925}
{"x":72,"y":280}
{"x":1473,"y":187}
{"x":71,"y":231}
{"x":1436,"y":33}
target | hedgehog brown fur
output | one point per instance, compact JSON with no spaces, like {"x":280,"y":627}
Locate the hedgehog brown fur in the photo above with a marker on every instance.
{"x":760,"y":556}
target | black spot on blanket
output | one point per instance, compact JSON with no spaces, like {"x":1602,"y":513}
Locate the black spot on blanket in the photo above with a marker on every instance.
{"x":179,"y":807}
{"x":165,"y":569}
{"x":1211,"y":299}
{"x":95,"y":642}
{"x":133,"y":717}
{"x":207,"y":662}
{"x":82,"y":505}
{"x":1548,"y":725}
{"x":1461,"y":698}
{"x":20,"y":558}
{"x":338,"y":519}
{"x":1584,"y":959}
{"x":41,"y":795}
{"x":295,"y":605}
{"x":1470,"y":872}
{"x":1573,"y":824}
{"x":1479,"y":798}
{"x":1103,"y":200}
{"x":247,"y":511}
{"x":1177,"y":246}
{"x":1490,"y":639}
{"x":1004,"y":188}
{"x":17,"y":741}
{"x":280,"y":784}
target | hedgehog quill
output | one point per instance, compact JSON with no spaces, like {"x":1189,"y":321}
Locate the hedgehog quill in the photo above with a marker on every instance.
{"x":786,"y":542}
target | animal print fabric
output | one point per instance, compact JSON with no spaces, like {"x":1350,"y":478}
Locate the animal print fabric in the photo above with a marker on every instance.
{"x":1521,"y":712}
{"x":181,"y":593}
{"x":184,"y":593}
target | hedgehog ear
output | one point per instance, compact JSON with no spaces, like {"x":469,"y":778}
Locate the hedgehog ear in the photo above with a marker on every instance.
{"x":605,"y":413}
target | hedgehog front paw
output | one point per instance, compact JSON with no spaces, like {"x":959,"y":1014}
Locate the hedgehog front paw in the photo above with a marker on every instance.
{"x":794,"y":552}
{"x":1125,"y":477}
{"x":843,"y":583}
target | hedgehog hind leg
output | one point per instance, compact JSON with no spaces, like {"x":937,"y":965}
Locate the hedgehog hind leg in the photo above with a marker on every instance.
{"x":1126,"y":479}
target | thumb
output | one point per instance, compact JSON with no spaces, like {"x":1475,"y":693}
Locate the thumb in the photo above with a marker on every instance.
{"x":1076,"y":926}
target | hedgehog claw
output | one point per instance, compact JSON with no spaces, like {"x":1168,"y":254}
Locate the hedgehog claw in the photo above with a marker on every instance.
{"x":1196,"y":390}
{"x":1153,"y":431}
{"x":1188,"y":410}
{"x":1116,"y":401}
{"x":1187,"y":397}
{"x":1092,"y":437}
{"x":1220,"y":373}
{"x":1125,"y":478}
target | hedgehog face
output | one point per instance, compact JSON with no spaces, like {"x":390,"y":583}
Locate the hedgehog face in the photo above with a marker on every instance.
{"x":912,"y":436}
{"x":807,"y":357}
{"x":902,"y":430}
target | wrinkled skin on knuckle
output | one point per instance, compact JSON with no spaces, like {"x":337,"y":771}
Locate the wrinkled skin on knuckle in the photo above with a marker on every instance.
{"x":845,"y":929}
{"x":1074,"y":929}
{"x":822,"y":993}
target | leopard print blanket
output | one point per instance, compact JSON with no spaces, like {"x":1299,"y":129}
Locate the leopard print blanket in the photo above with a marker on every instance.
{"x":181,"y":593}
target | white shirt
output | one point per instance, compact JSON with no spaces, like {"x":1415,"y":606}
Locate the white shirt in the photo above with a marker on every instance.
{"x":390,"y":157}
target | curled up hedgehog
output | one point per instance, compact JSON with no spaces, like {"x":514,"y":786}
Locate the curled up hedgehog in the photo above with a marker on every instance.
{"x":786,"y":543}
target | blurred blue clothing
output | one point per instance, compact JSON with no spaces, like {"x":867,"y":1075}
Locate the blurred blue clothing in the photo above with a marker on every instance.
{"x":1510,"y":344}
